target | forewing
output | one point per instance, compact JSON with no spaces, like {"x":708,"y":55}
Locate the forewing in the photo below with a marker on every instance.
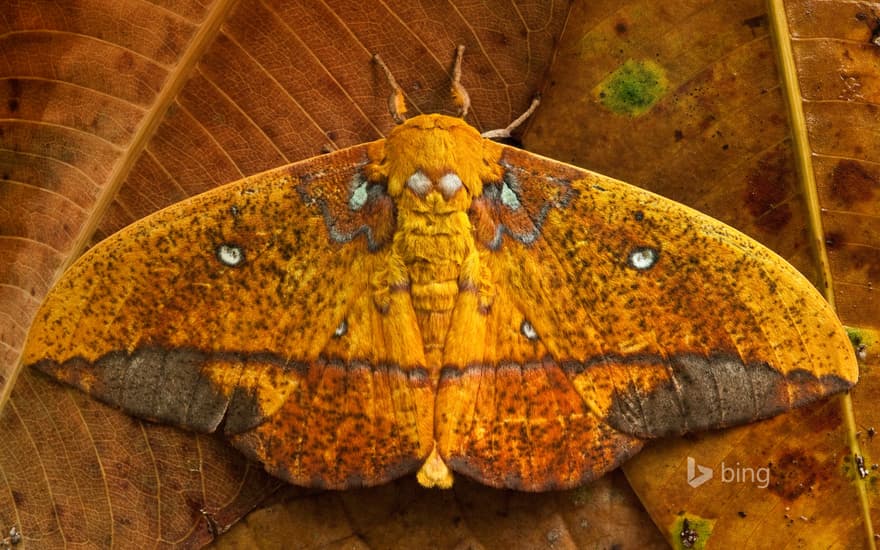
{"x":626,"y":316}
{"x":250,"y":308}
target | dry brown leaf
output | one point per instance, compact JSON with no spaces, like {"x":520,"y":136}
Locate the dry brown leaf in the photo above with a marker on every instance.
{"x":718,"y":138}
{"x":402,"y":514}
{"x":117,"y":109}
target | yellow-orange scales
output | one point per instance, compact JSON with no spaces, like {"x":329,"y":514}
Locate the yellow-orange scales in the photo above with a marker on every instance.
{"x":436,"y":301}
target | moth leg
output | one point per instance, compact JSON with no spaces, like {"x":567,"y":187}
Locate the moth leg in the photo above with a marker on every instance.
{"x":505,"y":132}
{"x":392,"y":276}
{"x":459,"y":94}
{"x":475,"y":273}
{"x":396,"y":103}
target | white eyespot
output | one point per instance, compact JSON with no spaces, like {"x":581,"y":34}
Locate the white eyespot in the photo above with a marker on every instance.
{"x":643,"y":257}
{"x":359,"y":195}
{"x":449,"y":183}
{"x":528,"y":330}
{"x":341,"y":329}
{"x":419,"y":183}
{"x":508,"y":197}
{"x":230,"y":254}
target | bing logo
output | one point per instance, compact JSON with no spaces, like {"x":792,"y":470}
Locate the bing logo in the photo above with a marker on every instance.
{"x":698,"y":475}
{"x":694,"y":479}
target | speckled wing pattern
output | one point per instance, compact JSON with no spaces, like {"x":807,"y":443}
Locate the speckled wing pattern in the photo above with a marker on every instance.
{"x":608,"y":316}
{"x":225,"y":313}
{"x":626,"y":317}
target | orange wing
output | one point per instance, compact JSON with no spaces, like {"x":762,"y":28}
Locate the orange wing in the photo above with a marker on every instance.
{"x":614,"y":316}
{"x":249,"y":309}
{"x":619,"y":316}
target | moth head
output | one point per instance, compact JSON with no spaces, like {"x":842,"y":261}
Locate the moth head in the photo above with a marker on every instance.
{"x":442,"y":161}
{"x":430,"y":155}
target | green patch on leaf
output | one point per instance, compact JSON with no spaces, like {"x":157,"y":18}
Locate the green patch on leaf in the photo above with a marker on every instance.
{"x":862,"y":340}
{"x":633,"y":88}
{"x":855,"y":336}
{"x":689,"y":532}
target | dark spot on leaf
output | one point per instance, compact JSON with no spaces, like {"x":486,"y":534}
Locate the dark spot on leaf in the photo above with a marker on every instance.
{"x":825,"y":422}
{"x":833,"y":240}
{"x":851,"y":183}
{"x":14,"y":88}
{"x":864,"y":258}
{"x":767,"y":187}
{"x":124,"y":62}
{"x":679,"y":135}
{"x":621,"y":28}
{"x":498,"y":38}
{"x":756,"y":22}
{"x":794,"y":474}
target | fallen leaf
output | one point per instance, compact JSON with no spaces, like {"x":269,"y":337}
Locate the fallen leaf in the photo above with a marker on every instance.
{"x":720,"y":139}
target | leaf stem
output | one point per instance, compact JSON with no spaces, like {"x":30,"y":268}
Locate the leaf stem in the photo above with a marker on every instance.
{"x":800,"y":142}
{"x":807,"y":178}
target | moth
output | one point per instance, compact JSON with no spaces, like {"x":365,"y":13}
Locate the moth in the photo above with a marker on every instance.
{"x":436,"y":302}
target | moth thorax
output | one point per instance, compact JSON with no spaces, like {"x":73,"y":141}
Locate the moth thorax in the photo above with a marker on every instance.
{"x":434,"y":241}
{"x":433,"y":274}
{"x":433,"y":247}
